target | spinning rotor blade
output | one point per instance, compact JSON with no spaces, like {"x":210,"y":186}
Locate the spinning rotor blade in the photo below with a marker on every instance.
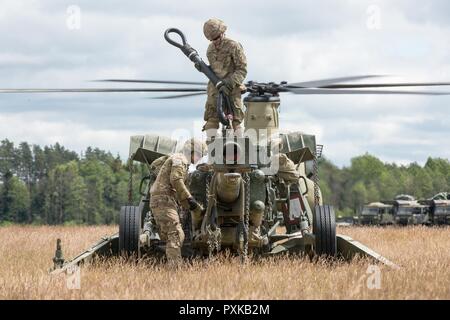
{"x":103,"y":90}
{"x":153,"y":81}
{"x":326,"y":82}
{"x":339,"y":91}
{"x":381,"y":85}
{"x":179,"y":96}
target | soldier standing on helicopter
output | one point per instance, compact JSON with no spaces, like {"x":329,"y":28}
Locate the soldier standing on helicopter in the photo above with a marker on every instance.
{"x":227,"y":59}
{"x":168,"y":191}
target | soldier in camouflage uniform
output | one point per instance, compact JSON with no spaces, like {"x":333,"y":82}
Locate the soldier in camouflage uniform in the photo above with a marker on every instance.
{"x":227,"y":59}
{"x":168,"y":191}
{"x":290,"y":173}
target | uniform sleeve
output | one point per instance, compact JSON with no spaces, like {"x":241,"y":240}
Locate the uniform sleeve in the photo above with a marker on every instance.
{"x":177,"y":178}
{"x":240,"y":63}
{"x":208,"y":53}
{"x":209,"y":56}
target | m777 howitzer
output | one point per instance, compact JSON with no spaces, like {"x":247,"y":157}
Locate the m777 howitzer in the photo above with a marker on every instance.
{"x":251,"y":205}
{"x":250,"y":189}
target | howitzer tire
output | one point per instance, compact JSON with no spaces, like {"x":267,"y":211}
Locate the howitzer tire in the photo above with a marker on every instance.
{"x":129,"y":231}
{"x":324,"y":228}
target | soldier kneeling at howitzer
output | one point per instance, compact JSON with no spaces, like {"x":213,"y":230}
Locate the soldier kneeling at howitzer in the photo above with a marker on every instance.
{"x":168,"y":191}
{"x":288,"y":173}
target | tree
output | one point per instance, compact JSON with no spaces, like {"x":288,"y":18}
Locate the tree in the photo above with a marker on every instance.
{"x":66,"y":195}
{"x":366,"y":168}
{"x":359,"y":195}
{"x":95,"y":173}
{"x":7,"y":157}
{"x":423,"y":184}
{"x":76,"y":195}
{"x":388,"y":185}
{"x":15,"y":200}
{"x":25,"y":163}
{"x":331,"y":180}
{"x":39,"y":164}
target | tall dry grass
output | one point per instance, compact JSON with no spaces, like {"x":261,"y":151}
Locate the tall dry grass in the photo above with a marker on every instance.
{"x":422,"y":252}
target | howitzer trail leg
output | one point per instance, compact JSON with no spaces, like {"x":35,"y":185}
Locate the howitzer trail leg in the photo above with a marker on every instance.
{"x":106,"y":247}
{"x":58,"y":259}
{"x":349,"y":248}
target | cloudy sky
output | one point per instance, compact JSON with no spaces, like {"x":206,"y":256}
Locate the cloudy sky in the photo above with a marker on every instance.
{"x":47,"y":44}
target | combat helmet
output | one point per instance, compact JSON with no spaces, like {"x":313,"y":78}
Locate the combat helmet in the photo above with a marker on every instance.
{"x":214,"y":28}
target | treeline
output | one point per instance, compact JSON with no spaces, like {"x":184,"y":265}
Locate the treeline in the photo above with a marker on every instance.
{"x":53,"y":185}
{"x":368,"y":179}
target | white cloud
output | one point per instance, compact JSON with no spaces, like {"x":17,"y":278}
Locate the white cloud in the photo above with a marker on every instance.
{"x":75,"y":136}
{"x":294,"y":41}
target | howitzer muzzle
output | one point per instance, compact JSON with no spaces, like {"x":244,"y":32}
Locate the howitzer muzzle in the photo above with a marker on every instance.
{"x":228,"y":186}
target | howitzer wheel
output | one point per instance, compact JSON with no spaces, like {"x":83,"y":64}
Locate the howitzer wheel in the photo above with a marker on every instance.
{"x":324,"y":228}
{"x":129,"y":231}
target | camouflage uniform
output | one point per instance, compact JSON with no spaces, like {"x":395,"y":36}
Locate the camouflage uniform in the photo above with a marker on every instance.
{"x":167,"y":191}
{"x":228,"y":61}
{"x":289,"y":173}
{"x":155,"y":166}
{"x":286,"y":169}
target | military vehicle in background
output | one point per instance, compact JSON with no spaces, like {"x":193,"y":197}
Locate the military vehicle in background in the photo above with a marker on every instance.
{"x":345,"y":221}
{"x":408,"y":211}
{"x":439,"y":212}
{"x":441,"y":196}
{"x":438,"y":208}
{"x":376,"y":213}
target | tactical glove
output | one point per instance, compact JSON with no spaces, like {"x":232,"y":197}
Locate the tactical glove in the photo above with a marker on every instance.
{"x":227,"y":87}
{"x":192,"y":203}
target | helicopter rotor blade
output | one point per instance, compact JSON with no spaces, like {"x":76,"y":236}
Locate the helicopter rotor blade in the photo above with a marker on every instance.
{"x":345,"y":91}
{"x":152,"y":81}
{"x":179,"y":96}
{"x":382,"y":85}
{"x":83,"y":90}
{"x":330,"y":81}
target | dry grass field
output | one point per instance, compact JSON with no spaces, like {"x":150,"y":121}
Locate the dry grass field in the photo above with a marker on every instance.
{"x":422,"y":252}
